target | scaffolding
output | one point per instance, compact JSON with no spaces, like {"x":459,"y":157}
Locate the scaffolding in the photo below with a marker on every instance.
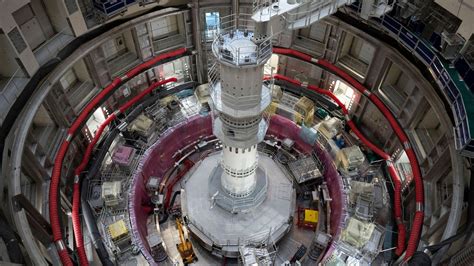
{"x":258,"y":250}
{"x":306,"y":169}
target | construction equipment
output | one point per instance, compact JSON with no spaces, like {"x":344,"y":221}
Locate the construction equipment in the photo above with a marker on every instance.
{"x":305,"y":107}
{"x":185,"y":247}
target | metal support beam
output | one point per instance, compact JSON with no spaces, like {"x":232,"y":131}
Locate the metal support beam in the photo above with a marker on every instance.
{"x":41,"y":229}
{"x":197,"y":40}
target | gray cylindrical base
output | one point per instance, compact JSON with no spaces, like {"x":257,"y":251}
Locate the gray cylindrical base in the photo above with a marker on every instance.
{"x":226,"y":201}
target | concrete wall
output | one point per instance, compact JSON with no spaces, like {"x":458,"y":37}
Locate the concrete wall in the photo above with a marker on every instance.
{"x":128,"y":38}
{"x":42,"y":17}
{"x":464,"y":10}
{"x":7,"y":53}
{"x":81,"y":70}
{"x":7,"y":23}
{"x":57,"y":14}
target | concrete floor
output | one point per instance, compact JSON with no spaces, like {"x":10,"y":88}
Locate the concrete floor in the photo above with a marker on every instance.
{"x":227,"y":229}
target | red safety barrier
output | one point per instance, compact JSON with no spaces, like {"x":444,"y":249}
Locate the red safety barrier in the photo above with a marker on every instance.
{"x":56,"y":173}
{"x":76,"y":199}
{"x":393,"y":173}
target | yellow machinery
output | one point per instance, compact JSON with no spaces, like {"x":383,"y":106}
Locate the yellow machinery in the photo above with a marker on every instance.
{"x":119,"y":235}
{"x":202,"y":93}
{"x":272,"y":108}
{"x":166,"y":100}
{"x":185,"y":248}
{"x":301,"y":111}
{"x":305,"y":107}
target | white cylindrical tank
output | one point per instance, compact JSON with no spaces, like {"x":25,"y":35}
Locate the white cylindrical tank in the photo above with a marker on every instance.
{"x":239,"y":167}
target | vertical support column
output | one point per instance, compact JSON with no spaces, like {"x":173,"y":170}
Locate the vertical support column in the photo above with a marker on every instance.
{"x":235,"y":10}
{"x":66,"y":11}
{"x":197,"y":40}
{"x":240,"y":98}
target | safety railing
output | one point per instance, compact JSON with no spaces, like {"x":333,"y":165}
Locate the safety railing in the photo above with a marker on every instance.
{"x":246,"y":202}
{"x":261,"y":247}
{"x":227,"y":239}
{"x":311,"y":12}
{"x":242,"y":54}
{"x":213,"y":75}
{"x":235,"y":105}
{"x":240,"y":27}
{"x":265,"y":7}
{"x":240,"y":21}
{"x":439,"y":69}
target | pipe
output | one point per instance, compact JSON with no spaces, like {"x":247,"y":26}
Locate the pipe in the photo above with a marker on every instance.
{"x":402,"y":137}
{"x":94,"y":230}
{"x":393,"y":173}
{"x":187,"y":165}
{"x":174,"y":197}
{"x":56,"y":173}
{"x":76,"y":219}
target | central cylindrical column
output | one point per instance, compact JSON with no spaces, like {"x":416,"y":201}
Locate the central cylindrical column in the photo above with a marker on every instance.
{"x":240,"y":97}
{"x":239,"y":166}
{"x":240,"y":124}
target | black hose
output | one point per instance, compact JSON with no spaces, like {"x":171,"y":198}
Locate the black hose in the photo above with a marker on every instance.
{"x":174,"y":198}
{"x":11,"y":242}
{"x":88,"y":217}
{"x":420,"y":259}
{"x":163,"y":217}
{"x":94,"y":230}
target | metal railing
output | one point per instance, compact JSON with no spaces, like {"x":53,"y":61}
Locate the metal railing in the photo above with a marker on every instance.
{"x":242,"y":55}
{"x":213,"y":75}
{"x":245,"y":202}
{"x":421,"y":49}
{"x":243,"y":26}
{"x":303,"y":15}
{"x":240,"y":21}
{"x":232,"y":239}
{"x":243,"y":104}
{"x":308,"y":11}
{"x":265,"y":7}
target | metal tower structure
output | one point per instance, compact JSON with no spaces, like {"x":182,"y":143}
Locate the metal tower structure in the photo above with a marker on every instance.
{"x":239,"y":98}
